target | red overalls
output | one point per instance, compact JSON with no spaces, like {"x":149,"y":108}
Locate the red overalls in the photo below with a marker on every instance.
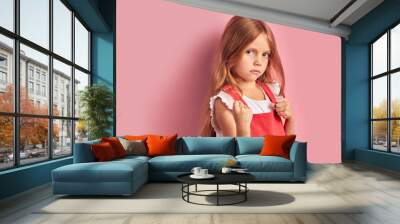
{"x":261,"y":124}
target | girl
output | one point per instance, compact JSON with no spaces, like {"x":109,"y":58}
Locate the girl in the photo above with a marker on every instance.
{"x":247,"y":95}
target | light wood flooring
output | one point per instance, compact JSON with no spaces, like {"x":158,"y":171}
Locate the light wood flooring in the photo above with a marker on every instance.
{"x":378,"y":188}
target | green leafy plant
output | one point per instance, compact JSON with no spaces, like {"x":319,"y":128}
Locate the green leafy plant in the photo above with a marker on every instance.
{"x":96,"y":102}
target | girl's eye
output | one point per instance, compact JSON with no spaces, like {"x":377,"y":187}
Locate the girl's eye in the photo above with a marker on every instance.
{"x":266,"y":55}
{"x":249,"y":52}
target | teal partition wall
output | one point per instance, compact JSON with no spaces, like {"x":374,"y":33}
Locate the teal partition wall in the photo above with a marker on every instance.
{"x":356,"y":134}
{"x":99,"y":15}
{"x":103,"y":52}
{"x":24,"y":178}
{"x":103,"y":64}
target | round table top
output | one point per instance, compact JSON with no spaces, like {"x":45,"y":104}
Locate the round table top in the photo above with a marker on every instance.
{"x":220,"y":178}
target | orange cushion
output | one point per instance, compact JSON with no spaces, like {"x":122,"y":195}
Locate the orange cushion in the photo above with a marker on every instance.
{"x":277,"y":145}
{"x":103,"y":151}
{"x":116,"y":145}
{"x":134,"y":137}
{"x":161,"y":145}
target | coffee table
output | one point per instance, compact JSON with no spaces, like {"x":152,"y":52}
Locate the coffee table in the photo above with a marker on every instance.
{"x":238,"y":179}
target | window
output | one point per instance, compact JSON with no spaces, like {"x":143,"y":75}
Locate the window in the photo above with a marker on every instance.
{"x":385,"y":91}
{"x":3,"y":78}
{"x":48,"y":113}
{"x":37,"y":89}
{"x":7,"y":14}
{"x":62,"y":30}
{"x":6,"y":142}
{"x":34,"y":22}
{"x":81,"y":45}
{"x":3,"y":61}
{"x":3,"y":72}
{"x":6,"y":89}
{"x":81,"y":81}
{"x":30,"y":72}
{"x":44,"y":91}
{"x":38,"y":74}
{"x":30,"y":87}
{"x":62,"y":74}
{"x":62,"y":139}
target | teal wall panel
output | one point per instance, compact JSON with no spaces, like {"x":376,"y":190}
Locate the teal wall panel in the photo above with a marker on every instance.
{"x":356,"y":130}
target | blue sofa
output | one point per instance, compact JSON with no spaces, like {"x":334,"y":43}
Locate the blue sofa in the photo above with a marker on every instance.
{"x":126,"y":175}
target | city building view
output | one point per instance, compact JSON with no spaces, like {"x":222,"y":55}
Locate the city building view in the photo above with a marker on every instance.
{"x":34,"y":100}
{"x":40,"y":113}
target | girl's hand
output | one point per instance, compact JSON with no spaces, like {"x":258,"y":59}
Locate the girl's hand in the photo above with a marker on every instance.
{"x":283,"y":107}
{"x":242,"y":114}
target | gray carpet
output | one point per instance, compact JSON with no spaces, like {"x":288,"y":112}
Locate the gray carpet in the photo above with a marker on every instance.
{"x":166,"y":198}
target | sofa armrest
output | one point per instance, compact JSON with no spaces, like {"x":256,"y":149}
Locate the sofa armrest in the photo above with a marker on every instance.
{"x":298,"y":155}
{"x":83,"y":152}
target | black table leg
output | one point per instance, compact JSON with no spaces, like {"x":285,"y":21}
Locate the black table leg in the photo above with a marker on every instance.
{"x":245,"y":193}
{"x":182,"y":189}
{"x":196,"y":188}
{"x":217,"y":194}
{"x":188,"y":192}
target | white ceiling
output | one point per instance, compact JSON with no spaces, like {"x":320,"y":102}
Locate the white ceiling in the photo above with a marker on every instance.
{"x":326,"y":16}
{"x":319,"y":9}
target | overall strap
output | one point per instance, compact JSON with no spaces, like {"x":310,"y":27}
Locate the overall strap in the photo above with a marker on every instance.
{"x":268,"y":91}
{"x":233,"y":93}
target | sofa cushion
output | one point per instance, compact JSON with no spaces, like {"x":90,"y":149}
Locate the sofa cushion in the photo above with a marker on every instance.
{"x":159,"y":145}
{"x":257,"y":163}
{"x":134,"y":147}
{"x":277,"y":145}
{"x":208,"y":145}
{"x":249,"y":145}
{"x":103,"y":152}
{"x":116,"y":145}
{"x":185,"y":163}
{"x":111,"y":171}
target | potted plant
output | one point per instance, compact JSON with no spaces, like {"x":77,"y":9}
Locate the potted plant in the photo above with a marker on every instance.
{"x":96,"y":102}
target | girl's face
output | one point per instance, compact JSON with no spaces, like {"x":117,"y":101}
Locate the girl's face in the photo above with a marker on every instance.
{"x":253,"y":60}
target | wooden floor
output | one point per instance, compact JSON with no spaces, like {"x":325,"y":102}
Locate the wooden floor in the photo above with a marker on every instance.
{"x":378,"y":188}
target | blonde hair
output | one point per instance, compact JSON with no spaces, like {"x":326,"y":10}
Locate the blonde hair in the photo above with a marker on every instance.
{"x":238,"y":34}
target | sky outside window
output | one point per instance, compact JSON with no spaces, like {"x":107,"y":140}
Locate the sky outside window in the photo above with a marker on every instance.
{"x":7,"y":14}
{"x":35,"y":27}
{"x":62,"y":30}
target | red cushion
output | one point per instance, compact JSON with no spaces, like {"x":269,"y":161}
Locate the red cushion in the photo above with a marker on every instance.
{"x":277,"y":145}
{"x":161,"y":145}
{"x":116,"y":145}
{"x":103,"y":151}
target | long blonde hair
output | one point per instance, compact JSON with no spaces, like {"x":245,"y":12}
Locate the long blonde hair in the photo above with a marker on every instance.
{"x":238,"y":34}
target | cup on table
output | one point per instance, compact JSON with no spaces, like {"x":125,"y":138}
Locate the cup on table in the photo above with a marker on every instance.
{"x":226,"y":170}
{"x":196,"y":170}
{"x":203,"y":172}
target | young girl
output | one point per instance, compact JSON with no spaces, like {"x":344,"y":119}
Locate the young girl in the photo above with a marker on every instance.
{"x":247,"y":95}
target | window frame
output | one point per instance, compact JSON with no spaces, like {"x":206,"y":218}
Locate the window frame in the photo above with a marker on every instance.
{"x":388,"y":74}
{"x":16,"y":115}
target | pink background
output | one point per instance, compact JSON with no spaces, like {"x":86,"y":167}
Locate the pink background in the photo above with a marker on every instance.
{"x":164,"y":53}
